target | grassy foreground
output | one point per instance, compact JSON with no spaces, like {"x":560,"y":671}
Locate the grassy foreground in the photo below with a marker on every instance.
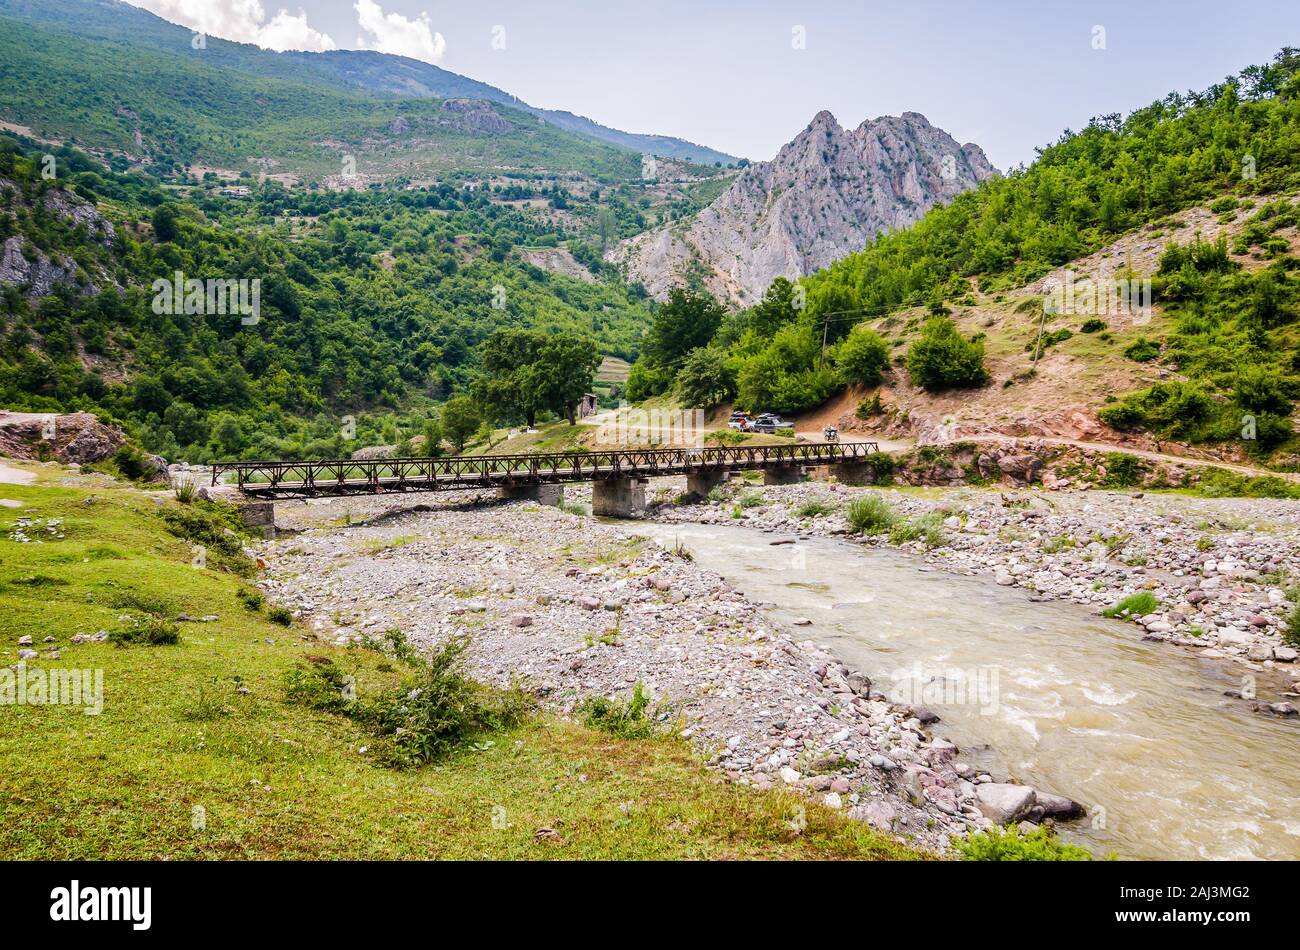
{"x":203,"y":724}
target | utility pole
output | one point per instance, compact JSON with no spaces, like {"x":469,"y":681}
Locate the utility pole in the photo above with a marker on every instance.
{"x":1042,"y":322}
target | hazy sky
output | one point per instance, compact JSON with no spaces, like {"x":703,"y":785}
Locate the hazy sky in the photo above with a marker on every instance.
{"x":1006,"y":75}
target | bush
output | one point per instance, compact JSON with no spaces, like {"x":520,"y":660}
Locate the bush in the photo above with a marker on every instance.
{"x":814,"y":509}
{"x":1093,"y":325}
{"x":633,"y":719}
{"x":1220,"y":483}
{"x":131,"y":462}
{"x":1134,"y":605}
{"x":252,"y":599}
{"x":427,"y":716}
{"x":186,"y":492}
{"x":1142,"y":350}
{"x":215,"y":527}
{"x":998,"y":844}
{"x":149,"y":630}
{"x":942,"y":359}
{"x":928,"y":529}
{"x":1122,"y":470}
{"x":862,"y":357}
{"x":870,"y":407}
{"x":1291,"y":634}
{"x":1174,"y":409}
{"x":280,"y":615}
{"x":870,"y":514}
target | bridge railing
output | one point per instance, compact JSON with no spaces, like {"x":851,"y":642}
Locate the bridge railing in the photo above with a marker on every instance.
{"x":324,"y":474}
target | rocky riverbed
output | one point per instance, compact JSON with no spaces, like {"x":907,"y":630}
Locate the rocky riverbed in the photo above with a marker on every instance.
{"x":1222,"y":571}
{"x":575,"y":607}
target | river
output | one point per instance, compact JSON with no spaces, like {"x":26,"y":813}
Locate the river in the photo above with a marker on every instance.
{"x":1048,"y":693}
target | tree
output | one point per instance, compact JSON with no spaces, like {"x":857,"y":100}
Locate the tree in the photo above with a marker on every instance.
{"x":776,"y":309}
{"x":433,"y":435}
{"x":685,"y":321}
{"x":164,"y":222}
{"x":563,"y":372}
{"x":507,"y":390}
{"x":862,"y":357}
{"x":460,"y":419}
{"x":941,"y":358}
{"x":645,"y":380}
{"x":705,"y":380}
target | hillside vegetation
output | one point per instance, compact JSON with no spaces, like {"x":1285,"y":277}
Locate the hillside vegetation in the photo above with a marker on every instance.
{"x":1224,"y":332}
{"x":371,"y":301}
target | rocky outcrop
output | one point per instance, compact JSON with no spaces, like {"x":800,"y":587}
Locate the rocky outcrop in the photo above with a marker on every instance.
{"x":24,"y":264}
{"x":78,"y":211}
{"x":826,"y":194}
{"x":76,"y":437}
{"x":477,"y":115}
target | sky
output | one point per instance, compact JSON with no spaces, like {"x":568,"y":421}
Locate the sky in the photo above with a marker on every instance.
{"x":746,"y":77}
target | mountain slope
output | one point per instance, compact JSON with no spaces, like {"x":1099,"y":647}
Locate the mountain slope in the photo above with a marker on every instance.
{"x":350,"y":73}
{"x":827,"y":193}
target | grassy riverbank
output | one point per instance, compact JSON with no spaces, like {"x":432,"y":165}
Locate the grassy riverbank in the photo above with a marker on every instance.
{"x":202,"y":728}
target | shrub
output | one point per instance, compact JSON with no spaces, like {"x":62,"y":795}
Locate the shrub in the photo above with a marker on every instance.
{"x":1142,"y":350}
{"x":814,"y":509}
{"x":942,"y":359}
{"x":998,"y":844}
{"x":149,"y":630}
{"x":280,"y":615}
{"x":870,"y":407}
{"x":1291,"y":634}
{"x":1093,"y":325}
{"x":633,"y":719}
{"x":216,"y":527}
{"x":1221,"y":483}
{"x":131,"y":462}
{"x":186,"y":492}
{"x":428,"y":715}
{"x":862,"y":357}
{"x":870,"y":514}
{"x":252,"y":599}
{"x":750,"y":499}
{"x":1122,"y":470}
{"x":928,"y":529}
{"x":1134,"y":605}
{"x":144,"y":603}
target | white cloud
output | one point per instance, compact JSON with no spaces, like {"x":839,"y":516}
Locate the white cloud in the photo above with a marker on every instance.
{"x":243,"y":21}
{"x":394,"y":33}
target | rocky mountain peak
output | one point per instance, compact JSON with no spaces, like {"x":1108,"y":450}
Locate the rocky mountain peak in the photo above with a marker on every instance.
{"x":826,"y":193}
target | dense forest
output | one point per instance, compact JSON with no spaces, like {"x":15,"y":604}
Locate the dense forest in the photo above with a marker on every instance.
{"x":372,"y":301}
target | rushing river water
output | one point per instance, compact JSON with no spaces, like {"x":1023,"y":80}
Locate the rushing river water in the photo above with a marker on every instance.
{"x":1045,"y":692}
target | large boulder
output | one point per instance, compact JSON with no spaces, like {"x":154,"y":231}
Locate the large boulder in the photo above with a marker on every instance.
{"x":76,"y":437}
{"x":1003,"y":804}
{"x":1058,"y":806}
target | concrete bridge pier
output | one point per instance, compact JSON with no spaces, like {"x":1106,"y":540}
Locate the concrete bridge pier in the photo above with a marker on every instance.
{"x":542,"y":494}
{"x":619,"y":497}
{"x":699,"y":484}
{"x":783,"y":475}
{"x":851,"y":473}
{"x":258,"y":516}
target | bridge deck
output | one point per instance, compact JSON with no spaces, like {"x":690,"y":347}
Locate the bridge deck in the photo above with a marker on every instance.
{"x":373,"y":476}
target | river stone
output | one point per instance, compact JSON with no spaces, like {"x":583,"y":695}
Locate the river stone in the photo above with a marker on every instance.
{"x":1058,"y":806}
{"x":859,"y":683}
{"x":1002,"y":803}
{"x":1284,"y":654}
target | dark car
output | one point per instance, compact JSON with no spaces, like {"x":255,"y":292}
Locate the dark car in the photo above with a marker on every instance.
{"x":771,"y":423}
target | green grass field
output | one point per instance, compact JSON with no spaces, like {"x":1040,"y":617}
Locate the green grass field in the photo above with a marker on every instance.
{"x":203,"y":724}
